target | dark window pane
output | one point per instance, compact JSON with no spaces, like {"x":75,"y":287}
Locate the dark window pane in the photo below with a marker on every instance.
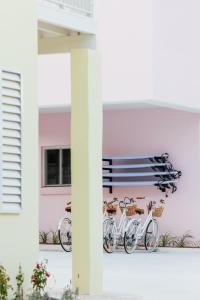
{"x":52,"y":167}
{"x":66,"y":166}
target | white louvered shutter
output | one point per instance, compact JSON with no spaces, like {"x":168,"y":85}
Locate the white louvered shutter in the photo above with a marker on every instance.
{"x":10,"y":142}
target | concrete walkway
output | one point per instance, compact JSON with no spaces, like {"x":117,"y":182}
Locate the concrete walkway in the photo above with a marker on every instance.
{"x":169,"y":274}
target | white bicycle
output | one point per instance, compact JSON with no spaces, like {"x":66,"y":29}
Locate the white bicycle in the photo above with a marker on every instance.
{"x":113,"y":231}
{"x":65,"y":230}
{"x":136,"y":231}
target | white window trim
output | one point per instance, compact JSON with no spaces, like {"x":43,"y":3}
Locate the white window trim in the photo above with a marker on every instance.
{"x":43,"y":165}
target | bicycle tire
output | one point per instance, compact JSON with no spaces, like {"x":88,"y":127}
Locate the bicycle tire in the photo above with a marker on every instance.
{"x":148,"y":246}
{"x":66,"y":246}
{"x":130,"y":240}
{"x":109,"y":236}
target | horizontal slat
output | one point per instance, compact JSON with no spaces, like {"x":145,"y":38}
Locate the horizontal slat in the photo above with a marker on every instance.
{"x":7,"y":165}
{"x":135,"y":166}
{"x":11,"y":198}
{"x":10,"y":93}
{"x":139,"y":174}
{"x":11,"y":125}
{"x":11,"y":157}
{"x":11,"y":100}
{"x":12,"y":182}
{"x":11,"y":141}
{"x":11,"y":76}
{"x":11,"y":84}
{"x":11,"y":190}
{"x":11,"y":208}
{"x":133,"y":157}
{"x":11,"y":174}
{"x":11,"y":109}
{"x":11,"y":149}
{"x":135,"y":183}
{"x":11,"y":133}
{"x":11,"y":117}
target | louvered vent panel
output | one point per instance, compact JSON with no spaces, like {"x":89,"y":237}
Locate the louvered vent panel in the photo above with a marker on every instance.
{"x":10,"y":141}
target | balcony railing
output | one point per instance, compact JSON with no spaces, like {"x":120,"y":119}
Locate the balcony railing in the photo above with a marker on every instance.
{"x":80,"y":7}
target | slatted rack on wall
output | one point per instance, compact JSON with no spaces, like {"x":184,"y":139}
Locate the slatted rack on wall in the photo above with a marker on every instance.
{"x":142,"y":170}
{"x":10,"y":142}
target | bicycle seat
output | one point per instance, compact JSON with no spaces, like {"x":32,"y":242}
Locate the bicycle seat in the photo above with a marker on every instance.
{"x":111,"y":211}
{"x":68,"y":209}
{"x":139,"y":211}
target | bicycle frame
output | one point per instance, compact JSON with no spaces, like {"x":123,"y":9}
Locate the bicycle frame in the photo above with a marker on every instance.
{"x":141,"y":228}
{"x":120,"y":227}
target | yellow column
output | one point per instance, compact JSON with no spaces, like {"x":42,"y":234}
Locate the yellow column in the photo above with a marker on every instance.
{"x":86,"y":145}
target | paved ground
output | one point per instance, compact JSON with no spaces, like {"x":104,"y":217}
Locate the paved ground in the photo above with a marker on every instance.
{"x":169,"y":274}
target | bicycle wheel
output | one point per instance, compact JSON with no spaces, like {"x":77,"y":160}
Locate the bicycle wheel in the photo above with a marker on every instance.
{"x":151,"y":236}
{"x":65,"y":234}
{"x":109,"y":235}
{"x":130,"y":237}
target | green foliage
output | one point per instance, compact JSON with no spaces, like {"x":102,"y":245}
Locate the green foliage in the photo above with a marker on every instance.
{"x":55,"y":238}
{"x":43,"y":237}
{"x":37,"y":296}
{"x":166,"y":240}
{"x":39,"y":277}
{"x":19,"y":293}
{"x":4,"y":284}
{"x":69,"y":294}
{"x":184,"y":240}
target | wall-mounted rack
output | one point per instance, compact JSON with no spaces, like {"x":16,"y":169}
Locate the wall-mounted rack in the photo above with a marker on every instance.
{"x":142,"y":170}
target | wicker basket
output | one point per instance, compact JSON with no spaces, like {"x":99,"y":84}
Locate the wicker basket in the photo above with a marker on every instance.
{"x":111,"y":208}
{"x":130,"y":210}
{"x":158,"y":211}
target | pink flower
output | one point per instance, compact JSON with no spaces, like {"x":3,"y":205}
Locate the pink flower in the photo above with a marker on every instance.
{"x":47,"y":274}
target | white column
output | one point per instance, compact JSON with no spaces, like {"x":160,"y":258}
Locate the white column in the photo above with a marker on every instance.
{"x":86,"y":145}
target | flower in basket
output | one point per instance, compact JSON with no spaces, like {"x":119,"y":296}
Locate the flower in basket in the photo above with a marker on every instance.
{"x":40,"y":277}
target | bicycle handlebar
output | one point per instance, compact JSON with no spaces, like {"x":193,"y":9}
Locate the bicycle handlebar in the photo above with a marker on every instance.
{"x":114,"y":200}
{"x":124,"y":203}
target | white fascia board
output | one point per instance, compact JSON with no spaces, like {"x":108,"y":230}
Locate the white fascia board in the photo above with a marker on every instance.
{"x":122,"y":105}
{"x":54,"y":108}
{"x":67,"y":20}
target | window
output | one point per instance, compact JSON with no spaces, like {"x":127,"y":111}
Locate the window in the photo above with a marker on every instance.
{"x":57,"y":167}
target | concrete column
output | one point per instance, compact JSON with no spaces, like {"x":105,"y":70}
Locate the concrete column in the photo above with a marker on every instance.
{"x":86,"y":145}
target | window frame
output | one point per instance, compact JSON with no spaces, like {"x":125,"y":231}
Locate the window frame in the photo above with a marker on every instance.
{"x":44,"y":166}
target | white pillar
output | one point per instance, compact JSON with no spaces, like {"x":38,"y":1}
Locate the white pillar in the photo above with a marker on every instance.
{"x":86,"y":145}
{"x":19,"y":228}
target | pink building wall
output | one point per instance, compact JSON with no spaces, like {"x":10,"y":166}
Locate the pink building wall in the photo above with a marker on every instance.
{"x":139,"y":131}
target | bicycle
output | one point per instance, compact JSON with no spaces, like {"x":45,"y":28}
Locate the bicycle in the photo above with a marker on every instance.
{"x":65,"y":227}
{"x":149,"y":231}
{"x":65,"y":231}
{"x":113,"y":231}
